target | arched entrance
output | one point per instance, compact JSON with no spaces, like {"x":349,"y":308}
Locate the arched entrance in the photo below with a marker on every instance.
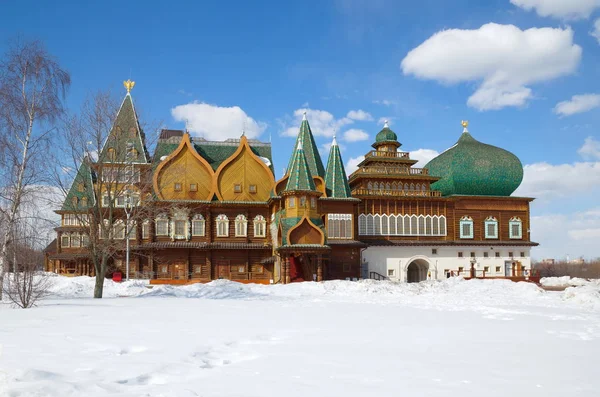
{"x":417,"y":271}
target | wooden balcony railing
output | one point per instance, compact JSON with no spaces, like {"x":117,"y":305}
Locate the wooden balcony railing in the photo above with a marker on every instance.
{"x":405,"y":193}
{"x":382,"y":170}
{"x":377,"y":153}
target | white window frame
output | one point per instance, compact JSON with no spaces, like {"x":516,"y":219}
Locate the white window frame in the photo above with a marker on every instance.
{"x":241,"y":226}
{"x":260,"y":226}
{"x":161,"y":220}
{"x":515,"y":221}
{"x":146,"y":230}
{"x":339,"y":226}
{"x":466,"y":221}
{"x":66,"y":236}
{"x":222,"y":223}
{"x":198,"y":226}
{"x":491,"y":221}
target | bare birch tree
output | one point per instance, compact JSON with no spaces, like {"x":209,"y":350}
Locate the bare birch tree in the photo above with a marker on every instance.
{"x":33,"y":86}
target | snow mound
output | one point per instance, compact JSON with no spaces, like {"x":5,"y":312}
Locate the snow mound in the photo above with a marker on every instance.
{"x":587,"y":296}
{"x":566,"y":281}
{"x":83,"y":287}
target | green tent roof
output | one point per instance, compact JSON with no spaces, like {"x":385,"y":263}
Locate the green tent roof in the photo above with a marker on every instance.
{"x":299,"y":176}
{"x":336,"y":181}
{"x":311,"y":153}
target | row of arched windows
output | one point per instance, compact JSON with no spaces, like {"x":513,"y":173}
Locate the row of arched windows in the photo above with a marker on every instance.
{"x":490,"y":225}
{"x":74,"y":240}
{"x":397,"y":186}
{"x":401,"y":225}
{"x":182,"y":228}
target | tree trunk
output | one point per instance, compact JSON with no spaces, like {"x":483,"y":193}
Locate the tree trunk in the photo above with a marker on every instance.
{"x":100,"y":273}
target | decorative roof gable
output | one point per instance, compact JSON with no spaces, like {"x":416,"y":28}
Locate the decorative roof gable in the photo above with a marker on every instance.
{"x":299,"y":176}
{"x":81,"y":194}
{"x":311,"y":153}
{"x":336,"y":180}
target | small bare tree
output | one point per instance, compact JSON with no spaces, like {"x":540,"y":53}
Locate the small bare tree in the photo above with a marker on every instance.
{"x":26,"y":284}
{"x":32,"y":89}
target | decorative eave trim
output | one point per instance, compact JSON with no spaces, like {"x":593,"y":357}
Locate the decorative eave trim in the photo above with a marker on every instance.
{"x":311,"y":224}
{"x":453,"y":243}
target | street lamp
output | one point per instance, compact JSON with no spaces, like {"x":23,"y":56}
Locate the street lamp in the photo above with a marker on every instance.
{"x":127,"y":231}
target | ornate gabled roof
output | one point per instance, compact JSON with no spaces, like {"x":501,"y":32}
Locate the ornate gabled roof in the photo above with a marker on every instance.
{"x":313,"y":159}
{"x":125,"y":135}
{"x":336,"y":180}
{"x":300,"y":177}
{"x":82,"y":187}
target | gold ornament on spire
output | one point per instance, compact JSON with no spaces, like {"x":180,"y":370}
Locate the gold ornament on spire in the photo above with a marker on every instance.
{"x":464,"y":123}
{"x":128,"y":85}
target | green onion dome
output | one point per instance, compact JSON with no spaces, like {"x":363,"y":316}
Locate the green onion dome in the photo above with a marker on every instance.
{"x":386,"y":136}
{"x":476,"y":169}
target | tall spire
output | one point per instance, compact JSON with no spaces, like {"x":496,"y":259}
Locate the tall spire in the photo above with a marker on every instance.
{"x":126,"y":138}
{"x":336,"y":181}
{"x":300,"y":177}
{"x":313,"y":159}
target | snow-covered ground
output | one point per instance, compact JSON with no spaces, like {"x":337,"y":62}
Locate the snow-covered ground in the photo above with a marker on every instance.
{"x":338,"y":338}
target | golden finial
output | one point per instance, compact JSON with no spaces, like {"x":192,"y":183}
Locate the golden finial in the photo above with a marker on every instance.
{"x":465,"y":123}
{"x":128,"y":85}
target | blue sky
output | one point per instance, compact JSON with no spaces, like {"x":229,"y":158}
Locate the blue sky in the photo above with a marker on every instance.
{"x":505,"y":65}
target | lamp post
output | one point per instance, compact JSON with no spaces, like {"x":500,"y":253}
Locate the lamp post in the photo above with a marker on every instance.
{"x":127,"y":231}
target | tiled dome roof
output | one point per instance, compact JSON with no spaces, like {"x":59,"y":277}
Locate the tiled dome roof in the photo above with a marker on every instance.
{"x":474,"y":168}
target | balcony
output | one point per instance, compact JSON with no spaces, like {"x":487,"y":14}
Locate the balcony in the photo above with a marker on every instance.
{"x":382,"y":170}
{"x":377,"y":153}
{"x":396,"y":193}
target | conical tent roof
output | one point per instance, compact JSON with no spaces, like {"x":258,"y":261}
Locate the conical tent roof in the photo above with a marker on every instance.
{"x":299,"y":176}
{"x":311,"y":153}
{"x":336,"y":180}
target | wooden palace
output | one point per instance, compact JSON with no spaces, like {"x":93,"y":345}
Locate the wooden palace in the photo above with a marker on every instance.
{"x":199,"y":210}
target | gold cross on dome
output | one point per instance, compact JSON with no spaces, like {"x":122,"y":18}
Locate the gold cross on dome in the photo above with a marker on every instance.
{"x":128,"y":85}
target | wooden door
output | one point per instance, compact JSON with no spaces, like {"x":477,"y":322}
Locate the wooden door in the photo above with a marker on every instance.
{"x":179,"y":271}
{"x":222,"y":270}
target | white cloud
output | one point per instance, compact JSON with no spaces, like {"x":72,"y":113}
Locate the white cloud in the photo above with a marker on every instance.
{"x":574,"y":234}
{"x":423,"y":155}
{"x":563,"y":9}
{"x":546,"y":181}
{"x":217,"y":123}
{"x":590,"y":149}
{"x":322,"y":123}
{"x":326,"y":147}
{"x":596,"y":31}
{"x":352,"y":164}
{"x":359,"y":115}
{"x":503,"y":58}
{"x":355,"y":135}
{"x":385,"y":102}
{"x":577,"y":104}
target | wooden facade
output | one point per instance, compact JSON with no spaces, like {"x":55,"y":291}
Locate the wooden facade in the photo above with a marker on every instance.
{"x":213,"y":210}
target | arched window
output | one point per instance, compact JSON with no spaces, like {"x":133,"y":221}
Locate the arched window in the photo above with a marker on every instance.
{"x":491,"y":227}
{"x":370,"y":186}
{"x":241,"y":226}
{"x":418,"y":187}
{"x":387,"y":186}
{"x":412,"y":187}
{"x":435,"y":225}
{"x":515,"y":228}
{"x":198,"y":225}
{"x":111,"y":154}
{"x":370,"y":225}
{"x":65,"y":240}
{"x":394,"y":186}
{"x":406,"y":227}
{"x":406,"y":187}
{"x":423,"y":187}
{"x":400,"y":225}
{"x":414,"y":225}
{"x":362,"y":224}
{"x":85,"y":240}
{"x":222,"y":226}
{"x":377,"y":225}
{"x":260,"y":226}
{"x":422,"y":230}
{"x":146,"y":229}
{"x":162,"y":225}
{"x":385,"y":230}
{"x":442,"y":225}
{"x":393,"y":231}
{"x":466,"y":227}
{"x":428,"y":226}
{"x":376,"y":186}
